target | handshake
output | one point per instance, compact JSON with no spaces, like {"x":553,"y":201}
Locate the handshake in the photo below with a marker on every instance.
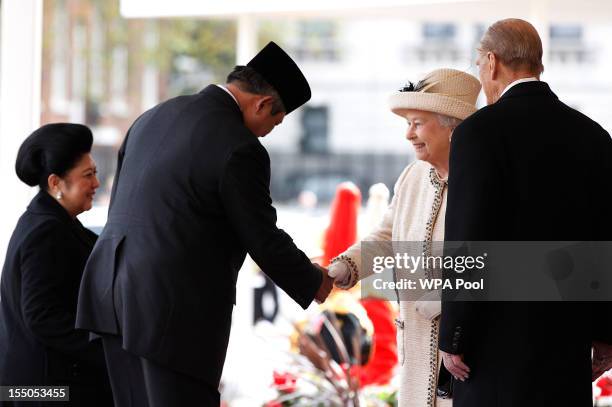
{"x":337,"y":273}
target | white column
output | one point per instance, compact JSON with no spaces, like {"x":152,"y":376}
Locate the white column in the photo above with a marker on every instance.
{"x":20,"y":96}
{"x":246,"y":41}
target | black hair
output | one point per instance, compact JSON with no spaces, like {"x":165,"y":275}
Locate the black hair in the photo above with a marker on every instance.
{"x":52,"y":149}
{"x":249,"y":80}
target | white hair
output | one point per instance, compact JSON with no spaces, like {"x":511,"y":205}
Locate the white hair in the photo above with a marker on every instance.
{"x":448,"y":121}
{"x":516,"y":43}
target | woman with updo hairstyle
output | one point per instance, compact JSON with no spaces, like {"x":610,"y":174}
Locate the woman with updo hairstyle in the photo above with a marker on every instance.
{"x":42,"y":272}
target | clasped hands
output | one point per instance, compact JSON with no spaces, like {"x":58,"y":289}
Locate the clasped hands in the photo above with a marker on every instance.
{"x":337,"y":273}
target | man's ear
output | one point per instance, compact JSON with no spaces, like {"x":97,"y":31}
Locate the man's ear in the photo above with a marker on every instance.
{"x":493,"y":65}
{"x":262,"y":102}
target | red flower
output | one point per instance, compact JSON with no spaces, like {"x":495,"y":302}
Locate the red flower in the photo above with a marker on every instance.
{"x":285,"y":382}
{"x":605,"y":384}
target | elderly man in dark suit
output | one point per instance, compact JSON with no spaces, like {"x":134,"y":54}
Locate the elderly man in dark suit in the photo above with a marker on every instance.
{"x":190,"y":199}
{"x":527,"y":167}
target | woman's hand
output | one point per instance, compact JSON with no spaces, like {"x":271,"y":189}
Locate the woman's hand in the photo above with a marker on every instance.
{"x":340,"y":272}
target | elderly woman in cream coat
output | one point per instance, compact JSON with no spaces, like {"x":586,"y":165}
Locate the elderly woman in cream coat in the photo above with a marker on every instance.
{"x":432,"y":108}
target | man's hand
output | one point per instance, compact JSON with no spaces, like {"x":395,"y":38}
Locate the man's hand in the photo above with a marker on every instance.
{"x":327,"y":283}
{"x":454,"y":364}
{"x":602,"y":359}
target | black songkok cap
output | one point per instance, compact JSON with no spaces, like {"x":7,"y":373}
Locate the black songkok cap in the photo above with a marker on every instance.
{"x":280,"y":71}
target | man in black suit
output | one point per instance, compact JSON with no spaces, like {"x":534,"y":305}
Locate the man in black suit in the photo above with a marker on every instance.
{"x":526,"y":167}
{"x":190,"y":199}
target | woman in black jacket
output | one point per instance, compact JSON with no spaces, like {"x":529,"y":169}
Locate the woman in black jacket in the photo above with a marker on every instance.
{"x":43,"y":267}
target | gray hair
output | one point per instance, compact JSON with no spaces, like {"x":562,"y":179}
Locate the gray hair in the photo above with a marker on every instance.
{"x":448,"y":121}
{"x":249,"y":80}
{"x":516,"y":43}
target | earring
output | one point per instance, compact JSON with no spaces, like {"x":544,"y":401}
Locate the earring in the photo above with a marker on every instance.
{"x":59,"y":195}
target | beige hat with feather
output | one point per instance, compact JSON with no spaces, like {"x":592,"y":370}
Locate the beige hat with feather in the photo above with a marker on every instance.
{"x":445,"y":91}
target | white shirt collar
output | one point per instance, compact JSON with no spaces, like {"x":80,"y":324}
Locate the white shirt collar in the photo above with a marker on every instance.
{"x":516,"y":82}
{"x":231,"y":94}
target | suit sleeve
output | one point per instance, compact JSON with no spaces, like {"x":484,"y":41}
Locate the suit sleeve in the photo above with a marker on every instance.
{"x":120,"y":155}
{"x":471,"y":215}
{"x":601,"y":311}
{"x":245,"y":194}
{"x":42,"y":277}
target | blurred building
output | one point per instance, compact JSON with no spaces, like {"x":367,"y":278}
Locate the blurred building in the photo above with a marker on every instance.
{"x":353,"y":65}
{"x":93,"y":73}
{"x":103,"y":70}
{"x":96,"y":71}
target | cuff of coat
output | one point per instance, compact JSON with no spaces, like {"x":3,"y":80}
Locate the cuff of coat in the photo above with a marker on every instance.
{"x":312,"y":283}
{"x":448,"y":348}
{"x":353,"y":277}
{"x":450,"y":341}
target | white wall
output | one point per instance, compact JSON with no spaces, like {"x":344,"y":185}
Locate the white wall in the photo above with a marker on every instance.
{"x":19,"y":102}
